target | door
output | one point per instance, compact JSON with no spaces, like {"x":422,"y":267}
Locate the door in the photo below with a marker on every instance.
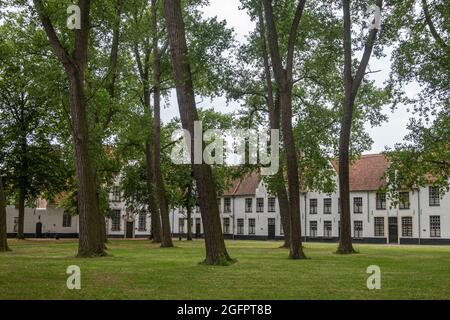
{"x":271,"y":228}
{"x":38,"y":230}
{"x":393,"y":230}
{"x":130,"y":227}
{"x":198,"y":229}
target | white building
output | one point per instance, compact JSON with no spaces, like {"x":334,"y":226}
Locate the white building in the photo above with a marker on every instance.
{"x":249,"y":212}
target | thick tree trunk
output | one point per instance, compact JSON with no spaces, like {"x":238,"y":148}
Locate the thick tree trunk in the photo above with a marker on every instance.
{"x":152,"y":203}
{"x":160,"y":185}
{"x":189,"y":212}
{"x":21,"y":207}
{"x":3,"y":230}
{"x":283,"y":77}
{"x":296,"y":249}
{"x":274,"y":119}
{"x":91,"y":242}
{"x":352,"y":85}
{"x":216,"y":253}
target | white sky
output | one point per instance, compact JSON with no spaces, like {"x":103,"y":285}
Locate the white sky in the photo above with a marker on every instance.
{"x":389,"y":134}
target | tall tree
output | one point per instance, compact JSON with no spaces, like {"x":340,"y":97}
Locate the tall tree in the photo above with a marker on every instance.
{"x":352,"y":84}
{"x":283,"y":76}
{"x":422,"y":55}
{"x":142,"y":50}
{"x":91,"y":242}
{"x":160,"y":185}
{"x":216,"y":253}
{"x":274,"y":108}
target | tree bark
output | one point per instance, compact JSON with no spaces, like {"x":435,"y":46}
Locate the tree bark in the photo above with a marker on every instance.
{"x":160,"y":185}
{"x":90,"y":240}
{"x":274,"y":119}
{"x":152,"y":204}
{"x":352,"y":85}
{"x":21,"y":207}
{"x":144,"y":71}
{"x":189,"y":211}
{"x":283,"y":77}
{"x":216,"y":252}
{"x":3,"y":230}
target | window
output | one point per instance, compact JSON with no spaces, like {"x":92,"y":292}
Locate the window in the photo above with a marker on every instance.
{"x":227,"y":205}
{"x":327,"y":229}
{"x":281,"y":229}
{"x":381,"y":201}
{"x":327,"y":206}
{"x":240,"y":226}
{"x":434,"y":197}
{"x":226,"y":225}
{"x":67,"y":220}
{"x":271,"y":205}
{"x":435,"y":227}
{"x":260,"y":205}
{"x":197,"y":209}
{"x":115,"y":220}
{"x":181,"y":225}
{"x":248,"y":205}
{"x":339,"y":206}
{"x":116,"y":196}
{"x":379,"y":227}
{"x":357,"y":205}
{"x":313,"y":229}
{"x":251,"y":226}
{"x":358,"y":229}
{"x":16,"y":224}
{"x":312,"y":206}
{"x":404,"y":201}
{"x":407,"y":227}
{"x":142,"y":222}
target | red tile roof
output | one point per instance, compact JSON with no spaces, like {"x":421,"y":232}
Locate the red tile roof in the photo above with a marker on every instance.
{"x":366,"y":174}
{"x":245,"y":186}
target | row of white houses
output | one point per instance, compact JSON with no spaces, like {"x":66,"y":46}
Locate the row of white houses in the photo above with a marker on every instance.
{"x":248,"y":211}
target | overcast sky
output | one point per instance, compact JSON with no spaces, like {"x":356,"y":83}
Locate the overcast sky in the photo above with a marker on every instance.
{"x":389,"y":134}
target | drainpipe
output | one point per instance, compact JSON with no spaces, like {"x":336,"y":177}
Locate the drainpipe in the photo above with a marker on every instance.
{"x":306,"y":220}
{"x":233,"y":197}
{"x":419,"y":211}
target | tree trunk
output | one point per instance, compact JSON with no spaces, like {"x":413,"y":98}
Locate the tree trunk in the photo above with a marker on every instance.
{"x":296,"y":249}
{"x":21,"y":222}
{"x":160,"y":186}
{"x":216,"y":253}
{"x":3,"y":230}
{"x":152,"y":204}
{"x":189,"y":212}
{"x":283,"y":77}
{"x":274,"y":119}
{"x":90,"y":240}
{"x":352,"y":85}
{"x":283,"y":202}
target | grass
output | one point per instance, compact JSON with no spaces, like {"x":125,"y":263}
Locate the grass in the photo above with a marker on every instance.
{"x":141,"y":270}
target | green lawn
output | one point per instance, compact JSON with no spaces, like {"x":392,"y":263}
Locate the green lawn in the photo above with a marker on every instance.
{"x":140,"y":270}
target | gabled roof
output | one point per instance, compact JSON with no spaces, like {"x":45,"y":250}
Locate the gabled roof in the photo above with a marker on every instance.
{"x":367,"y":173}
{"x":245,"y":186}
